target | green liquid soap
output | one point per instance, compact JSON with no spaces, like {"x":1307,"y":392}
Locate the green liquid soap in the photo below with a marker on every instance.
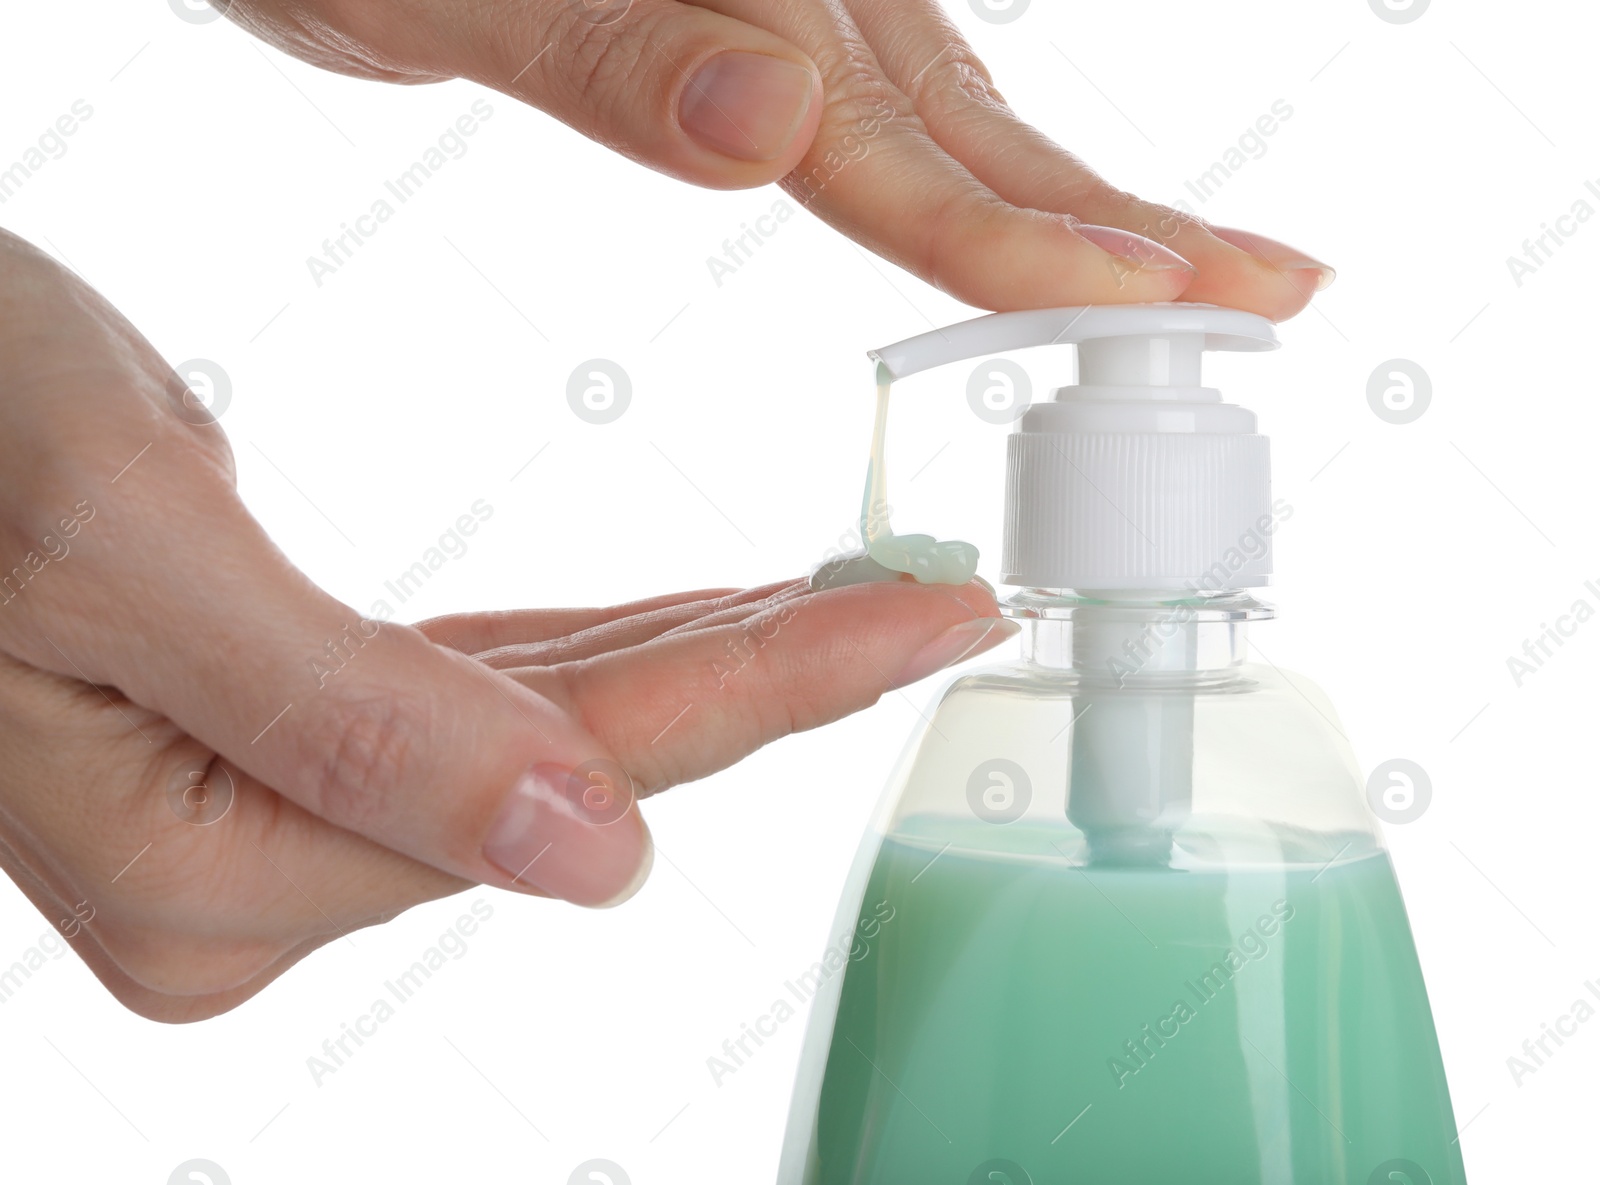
{"x":1130,"y":1025}
{"x":888,"y":556}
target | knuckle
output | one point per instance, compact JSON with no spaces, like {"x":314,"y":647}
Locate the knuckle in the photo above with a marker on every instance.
{"x":363,"y":745}
{"x":859,"y":98}
{"x":955,"y":82}
{"x":356,"y":37}
{"x":860,"y":104}
{"x":595,"y":59}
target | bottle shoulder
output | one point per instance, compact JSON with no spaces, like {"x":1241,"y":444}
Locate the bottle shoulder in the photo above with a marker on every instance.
{"x":1021,"y":678}
{"x":1243,"y":764}
{"x":1227,"y":709}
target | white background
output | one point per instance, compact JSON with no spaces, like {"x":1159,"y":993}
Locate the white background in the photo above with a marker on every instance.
{"x":427,"y":372}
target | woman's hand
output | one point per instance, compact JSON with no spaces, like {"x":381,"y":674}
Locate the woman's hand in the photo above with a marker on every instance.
{"x":875,"y":114}
{"x":198,"y":804}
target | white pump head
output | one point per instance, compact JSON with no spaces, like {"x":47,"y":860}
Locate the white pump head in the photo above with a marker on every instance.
{"x":1135,"y":477}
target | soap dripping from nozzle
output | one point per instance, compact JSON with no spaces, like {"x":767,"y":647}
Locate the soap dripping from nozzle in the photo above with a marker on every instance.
{"x":887,"y":556}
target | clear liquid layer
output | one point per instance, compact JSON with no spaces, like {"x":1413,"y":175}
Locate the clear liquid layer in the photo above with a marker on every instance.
{"x":1129,"y":1026}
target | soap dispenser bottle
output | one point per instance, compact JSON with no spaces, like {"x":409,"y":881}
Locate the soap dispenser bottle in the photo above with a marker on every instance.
{"x":1124,"y":916}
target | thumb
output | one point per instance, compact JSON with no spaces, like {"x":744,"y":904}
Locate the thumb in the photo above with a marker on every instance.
{"x":170,"y":592}
{"x":366,"y":724}
{"x":690,"y":92}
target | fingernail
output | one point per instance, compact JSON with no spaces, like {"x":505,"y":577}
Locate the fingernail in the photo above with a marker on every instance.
{"x":1146,"y":254}
{"x":956,"y":643}
{"x":573,"y":834}
{"x":641,"y":874}
{"x":1278,"y":255}
{"x":746,"y":105}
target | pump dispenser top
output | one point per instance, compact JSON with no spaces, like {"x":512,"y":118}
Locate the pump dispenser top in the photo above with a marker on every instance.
{"x":1135,"y":477}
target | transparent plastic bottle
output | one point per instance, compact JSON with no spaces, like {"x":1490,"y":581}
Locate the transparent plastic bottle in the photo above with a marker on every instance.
{"x":1196,"y":968}
{"x":1124,"y":916}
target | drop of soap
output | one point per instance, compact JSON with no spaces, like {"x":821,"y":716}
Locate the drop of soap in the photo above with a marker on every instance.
{"x":854,"y":568}
{"x":929,"y":560}
{"x":887,"y":556}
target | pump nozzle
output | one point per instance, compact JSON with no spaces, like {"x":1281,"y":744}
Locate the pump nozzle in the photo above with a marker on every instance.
{"x":1154,"y":344}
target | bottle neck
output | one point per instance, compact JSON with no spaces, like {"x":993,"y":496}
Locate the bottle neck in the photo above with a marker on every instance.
{"x":1135,"y":635}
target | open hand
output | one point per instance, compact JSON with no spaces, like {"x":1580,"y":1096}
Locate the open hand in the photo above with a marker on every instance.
{"x":198,"y":805}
